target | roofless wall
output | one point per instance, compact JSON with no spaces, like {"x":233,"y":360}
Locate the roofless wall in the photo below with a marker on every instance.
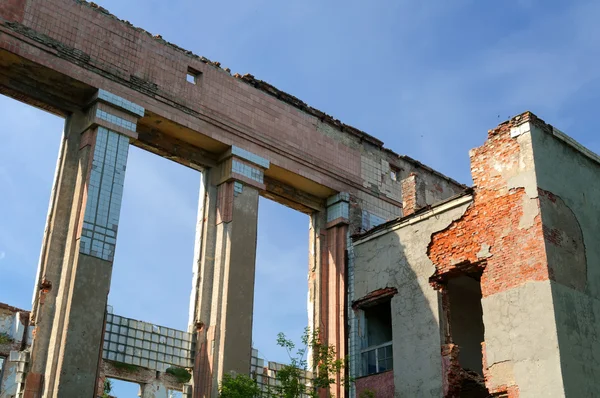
{"x":118,"y":85}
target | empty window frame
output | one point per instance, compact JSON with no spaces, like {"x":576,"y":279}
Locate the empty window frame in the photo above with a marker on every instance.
{"x":193,"y":76}
{"x":376,"y":354}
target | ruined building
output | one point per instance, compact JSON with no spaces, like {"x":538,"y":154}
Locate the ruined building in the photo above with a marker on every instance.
{"x":428,"y":287}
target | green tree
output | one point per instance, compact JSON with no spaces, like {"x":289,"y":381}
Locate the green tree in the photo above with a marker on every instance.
{"x":107,"y":388}
{"x":325,"y":367}
{"x":292,"y":378}
{"x":239,"y":386}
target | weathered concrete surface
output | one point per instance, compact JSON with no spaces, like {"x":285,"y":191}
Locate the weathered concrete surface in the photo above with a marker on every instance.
{"x":397,"y":257}
{"x":55,"y":241}
{"x":76,"y":337}
{"x":313,"y":154}
{"x":502,"y":235}
{"x":569,"y":178}
{"x":225,"y":323}
{"x":520,"y":341}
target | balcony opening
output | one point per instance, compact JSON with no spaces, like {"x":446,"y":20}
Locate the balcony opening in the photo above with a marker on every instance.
{"x":376,"y":352}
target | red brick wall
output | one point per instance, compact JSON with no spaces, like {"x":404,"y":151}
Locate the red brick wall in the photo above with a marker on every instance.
{"x":382,"y":384}
{"x":516,"y":255}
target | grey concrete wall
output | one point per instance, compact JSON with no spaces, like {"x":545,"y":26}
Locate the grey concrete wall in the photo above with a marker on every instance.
{"x":520,"y":337}
{"x":399,"y":259}
{"x":571,"y":219}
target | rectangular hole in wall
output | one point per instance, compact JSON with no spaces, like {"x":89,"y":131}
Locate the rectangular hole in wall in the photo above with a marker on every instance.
{"x":174,"y":394}
{"x":376,"y":336}
{"x":193,"y":76}
{"x":467,"y":330}
{"x":121,"y":389}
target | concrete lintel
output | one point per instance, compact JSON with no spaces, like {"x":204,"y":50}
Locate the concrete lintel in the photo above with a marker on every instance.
{"x":174,"y":149}
{"x":291,"y":197}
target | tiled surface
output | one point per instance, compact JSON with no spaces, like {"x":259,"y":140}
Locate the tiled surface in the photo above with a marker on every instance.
{"x":238,"y":188}
{"x":126,"y":124}
{"x":377,"y":173}
{"x":105,"y":193}
{"x":340,"y":197}
{"x":338,"y":210}
{"x":249,"y":156}
{"x":248,"y":171}
{"x":121,"y":102}
{"x":370,"y":220}
{"x":144,"y":344}
{"x":265,"y":373}
{"x":337,"y":206}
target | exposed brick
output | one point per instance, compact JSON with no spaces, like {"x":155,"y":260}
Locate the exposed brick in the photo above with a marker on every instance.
{"x":516,"y":255}
{"x":382,"y":384}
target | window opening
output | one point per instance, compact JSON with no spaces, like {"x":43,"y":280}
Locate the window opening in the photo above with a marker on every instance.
{"x":116,"y":388}
{"x":174,"y":394}
{"x":193,"y":76}
{"x":376,"y":355}
{"x":394,"y":173}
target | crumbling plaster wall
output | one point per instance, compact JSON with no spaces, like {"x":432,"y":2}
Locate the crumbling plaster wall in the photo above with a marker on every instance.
{"x":397,"y":258}
{"x":503,"y":233}
{"x":570,"y":179}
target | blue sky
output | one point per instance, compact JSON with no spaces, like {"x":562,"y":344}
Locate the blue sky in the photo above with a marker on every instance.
{"x":428,"y":78}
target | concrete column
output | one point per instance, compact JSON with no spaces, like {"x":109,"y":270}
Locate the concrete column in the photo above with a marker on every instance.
{"x":226,"y":268}
{"x":80,"y":241}
{"x":333,"y":281}
{"x":154,"y":390}
{"x":54,"y":241}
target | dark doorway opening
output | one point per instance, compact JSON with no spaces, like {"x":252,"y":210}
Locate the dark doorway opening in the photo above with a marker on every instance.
{"x":467,"y":331}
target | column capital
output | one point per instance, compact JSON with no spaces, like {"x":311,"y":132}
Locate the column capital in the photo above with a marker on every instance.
{"x":113,"y":113}
{"x":338,"y":209}
{"x":243,"y":166}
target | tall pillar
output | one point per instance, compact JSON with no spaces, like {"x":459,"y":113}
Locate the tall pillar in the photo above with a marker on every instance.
{"x":333,"y":281}
{"x":54,"y":241}
{"x":70,"y":331}
{"x":225,"y":295}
